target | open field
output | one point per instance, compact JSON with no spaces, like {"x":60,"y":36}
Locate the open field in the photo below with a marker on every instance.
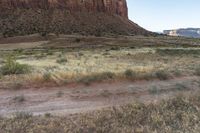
{"x":74,"y":74}
{"x":80,"y":59}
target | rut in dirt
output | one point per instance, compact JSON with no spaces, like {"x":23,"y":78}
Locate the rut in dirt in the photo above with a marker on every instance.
{"x":80,"y":99}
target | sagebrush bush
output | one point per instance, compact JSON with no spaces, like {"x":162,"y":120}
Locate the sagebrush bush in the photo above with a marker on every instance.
{"x":12,"y":67}
{"x":162,"y":75}
{"x":130,"y":73}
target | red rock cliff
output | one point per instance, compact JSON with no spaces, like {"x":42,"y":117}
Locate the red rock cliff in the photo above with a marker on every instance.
{"x":118,"y":7}
{"x":85,"y":17}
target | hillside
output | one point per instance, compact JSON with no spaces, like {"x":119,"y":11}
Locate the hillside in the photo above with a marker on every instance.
{"x":20,"y":17}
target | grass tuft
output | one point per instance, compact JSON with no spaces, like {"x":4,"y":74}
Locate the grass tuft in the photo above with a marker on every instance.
{"x":19,"y":99}
{"x":47,"y":76}
{"x":12,"y":67}
{"x":62,"y":60}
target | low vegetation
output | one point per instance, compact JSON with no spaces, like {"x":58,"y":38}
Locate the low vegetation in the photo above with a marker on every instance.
{"x":62,"y":60}
{"x":130,"y":73}
{"x":122,"y":58}
{"x":178,"y":115}
{"x":12,"y":67}
{"x":105,"y":76}
{"x":19,"y":99}
{"x":126,"y":58}
{"x":59,"y":94}
{"x":47,"y":76}
{"x":197,"y":71}
{"x":178,"y":51}
{"x":179,"y":87}
{"x":162,"y":75}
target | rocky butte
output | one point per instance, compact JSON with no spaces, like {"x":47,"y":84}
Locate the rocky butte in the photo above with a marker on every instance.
{"x":87,"y":17}
{"x":188,"y":32}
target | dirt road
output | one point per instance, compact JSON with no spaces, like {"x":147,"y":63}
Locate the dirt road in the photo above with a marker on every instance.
{"x":72,"y":99}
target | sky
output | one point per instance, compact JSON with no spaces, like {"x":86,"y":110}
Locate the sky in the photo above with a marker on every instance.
{"x":159,"y":15}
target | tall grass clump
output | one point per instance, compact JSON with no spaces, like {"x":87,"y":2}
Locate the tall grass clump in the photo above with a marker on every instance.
{"x":12,"y":67}
{"x":47,"y":76}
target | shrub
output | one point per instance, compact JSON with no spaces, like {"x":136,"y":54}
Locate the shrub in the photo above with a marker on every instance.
{"x":162,"y":75}
{"x":22,"y":115}
{"x":47,"y":76}
{"x":180,"y":87}
{"x":13,"y":67}
{"x":61,"y":60}
{"x":154,"y":90}
{"x":98,"y":33}
{"x":197,"y":71}
{"x":106,"y":93}
{"x":98,"y":77}
{"x":59,"y":94}
{"x":47,"y":115}
{"x":177,"y":73}
{"x":19,"y":99}
{"x":130,"y":73}
{"x":49,"y":53}
{"x":77,"y":40}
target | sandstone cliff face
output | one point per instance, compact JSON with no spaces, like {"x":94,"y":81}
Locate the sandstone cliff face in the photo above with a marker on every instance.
{"x":118,"y":7}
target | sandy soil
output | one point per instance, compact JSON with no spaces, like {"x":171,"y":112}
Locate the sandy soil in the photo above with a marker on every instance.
{"x":80,"y":98}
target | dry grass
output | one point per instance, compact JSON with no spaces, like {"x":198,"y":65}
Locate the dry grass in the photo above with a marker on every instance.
{"x":133,"y":62}
{"x":89,"y":65}
{"x":177,"y":115}
{"x":12,"y":67}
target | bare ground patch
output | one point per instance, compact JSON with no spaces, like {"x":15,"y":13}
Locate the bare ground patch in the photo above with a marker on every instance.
{"x":80,"y":98}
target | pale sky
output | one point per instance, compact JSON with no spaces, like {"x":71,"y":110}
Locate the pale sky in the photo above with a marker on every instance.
{"x":159,"y":15}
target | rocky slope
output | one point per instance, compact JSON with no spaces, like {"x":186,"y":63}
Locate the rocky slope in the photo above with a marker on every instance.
{"x":88,"y":17}
{"x":189,"y":32}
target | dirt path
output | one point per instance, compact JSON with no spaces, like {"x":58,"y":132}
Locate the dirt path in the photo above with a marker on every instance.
{"x":80,"y":98}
